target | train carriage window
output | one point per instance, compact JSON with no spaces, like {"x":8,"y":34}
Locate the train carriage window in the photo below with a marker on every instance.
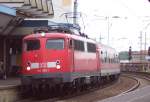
{"x":91,"y":47}
{"x":70,"y":44}
{"x":78,"y":45}
{"x":30,"y":45}
{"x":105,"y":59}
{"x":109,"y":60}
{"x":57,"y":44}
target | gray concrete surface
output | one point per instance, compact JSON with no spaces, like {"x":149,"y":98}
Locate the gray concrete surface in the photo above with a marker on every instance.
{"x":9,"y":90}
{"x":139,"y":95}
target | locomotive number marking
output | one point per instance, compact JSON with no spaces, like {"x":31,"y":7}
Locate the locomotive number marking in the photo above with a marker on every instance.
{"x":51,"y":64}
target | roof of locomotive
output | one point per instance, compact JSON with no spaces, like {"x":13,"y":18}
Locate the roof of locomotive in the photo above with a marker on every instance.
{"x":59,"y":35}
{"x":40,"y":35}
{"x":60,"y":30}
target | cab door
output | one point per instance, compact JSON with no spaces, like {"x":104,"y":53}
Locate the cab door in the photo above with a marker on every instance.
{"x":31,"y":56}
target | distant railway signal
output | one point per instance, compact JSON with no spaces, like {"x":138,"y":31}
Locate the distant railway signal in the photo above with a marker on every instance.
{"x":130,"y":53}
{"x":149,"y":51}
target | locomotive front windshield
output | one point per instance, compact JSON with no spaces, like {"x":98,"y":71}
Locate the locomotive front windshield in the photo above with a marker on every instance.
{"x":57,"y":44}
{"x":30,"y":45}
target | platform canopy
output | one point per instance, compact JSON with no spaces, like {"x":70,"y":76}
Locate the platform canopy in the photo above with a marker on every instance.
{"x":8,"y":20}
{"x":31,"y":8}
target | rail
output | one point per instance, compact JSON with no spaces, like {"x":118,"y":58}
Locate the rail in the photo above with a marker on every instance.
{"x":134,"y":87}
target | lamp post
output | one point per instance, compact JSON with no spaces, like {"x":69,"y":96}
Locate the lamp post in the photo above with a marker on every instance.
{"x":108,"y":23}
{"x":143,"y":31}
{"x":100,"y":38}
{"x":108,"y":30}
{"x":109,"y":26}
{"x":145,"y":28}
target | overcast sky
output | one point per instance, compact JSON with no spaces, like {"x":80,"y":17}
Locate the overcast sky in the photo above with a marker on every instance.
{"x":125,"y":18}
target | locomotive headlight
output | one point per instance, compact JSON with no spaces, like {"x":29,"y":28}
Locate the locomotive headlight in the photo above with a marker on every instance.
{"x":43,"y":34}
{"x":58,"y":66}
{"x":28,"y":65}
{"x":28,"y":68}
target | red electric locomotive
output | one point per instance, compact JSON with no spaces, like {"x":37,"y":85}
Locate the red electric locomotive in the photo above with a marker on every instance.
{"x":62,"y":56}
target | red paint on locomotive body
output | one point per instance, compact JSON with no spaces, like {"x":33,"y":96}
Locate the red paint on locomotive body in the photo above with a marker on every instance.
{"x":65,"y":57}
{"x":44,"y":60}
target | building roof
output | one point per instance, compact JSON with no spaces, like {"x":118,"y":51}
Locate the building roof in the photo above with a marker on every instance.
{"x":31,"y":8}
{"x":8,"y":19}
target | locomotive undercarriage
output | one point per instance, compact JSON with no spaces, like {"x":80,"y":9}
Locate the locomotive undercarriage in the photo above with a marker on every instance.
{"x":53,"y":86}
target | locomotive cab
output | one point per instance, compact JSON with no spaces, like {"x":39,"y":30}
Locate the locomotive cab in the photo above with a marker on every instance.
{"x":46,"y":58}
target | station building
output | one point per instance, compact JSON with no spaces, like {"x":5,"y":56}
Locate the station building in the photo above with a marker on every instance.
{"x":18,"y":18}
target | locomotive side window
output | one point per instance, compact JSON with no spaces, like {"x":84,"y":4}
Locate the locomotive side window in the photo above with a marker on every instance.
{"x":55,"y":44}
{"x":78,"y":45}
{"x":70,"y":44}
{"x":30,"y":45}
{"x":91,"y":47}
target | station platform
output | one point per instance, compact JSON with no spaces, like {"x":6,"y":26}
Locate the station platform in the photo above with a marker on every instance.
{"x":9,"y":82}
{"x":10,"y":89}
{"x":139,"y":95}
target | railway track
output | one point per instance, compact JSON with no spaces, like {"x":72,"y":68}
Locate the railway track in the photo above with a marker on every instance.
{"x":136,"y":86}
{"x":143,"y":78}
{"x":125,"y":84}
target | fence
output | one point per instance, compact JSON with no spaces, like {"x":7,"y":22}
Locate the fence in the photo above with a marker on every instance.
{"x":135,"y":67}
